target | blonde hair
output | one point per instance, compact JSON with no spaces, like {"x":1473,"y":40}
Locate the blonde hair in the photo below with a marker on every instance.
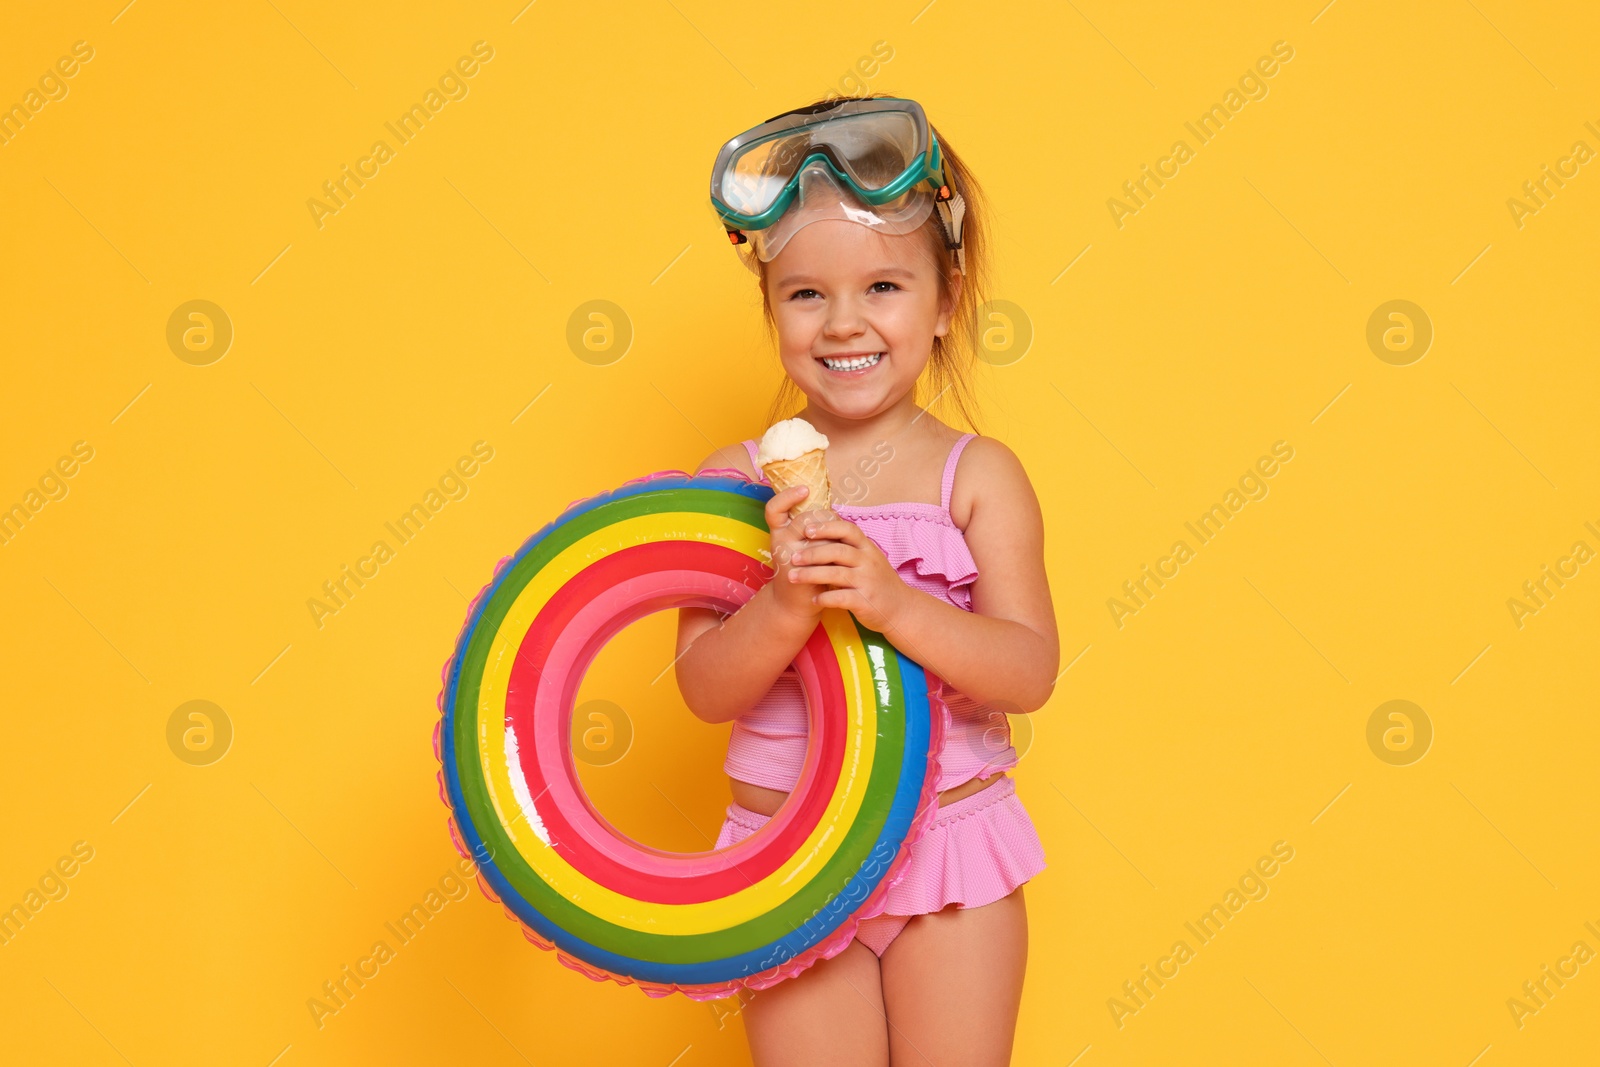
{"x":950,"y":365}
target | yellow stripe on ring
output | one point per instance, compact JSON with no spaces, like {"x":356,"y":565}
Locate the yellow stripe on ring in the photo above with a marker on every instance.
{"x":707,"y":916}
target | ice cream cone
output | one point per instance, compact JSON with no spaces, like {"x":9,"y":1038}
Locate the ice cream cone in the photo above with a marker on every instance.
{"x":809,"y":469}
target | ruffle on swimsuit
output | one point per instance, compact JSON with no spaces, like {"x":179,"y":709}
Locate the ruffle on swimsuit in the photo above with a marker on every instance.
{"x":978,"y":850}
{"x":917,"y":539}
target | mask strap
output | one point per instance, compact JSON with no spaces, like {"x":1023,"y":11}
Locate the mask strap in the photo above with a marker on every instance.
{"x":952,"y":209}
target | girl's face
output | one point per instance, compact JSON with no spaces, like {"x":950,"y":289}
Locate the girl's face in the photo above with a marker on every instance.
{"x":840,"y":291}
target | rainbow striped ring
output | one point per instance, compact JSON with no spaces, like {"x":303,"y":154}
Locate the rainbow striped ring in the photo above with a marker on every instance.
{"x":707,"y":923}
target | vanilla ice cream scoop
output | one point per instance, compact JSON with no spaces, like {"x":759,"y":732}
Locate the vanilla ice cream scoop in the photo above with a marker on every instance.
{"x":789,"y":439}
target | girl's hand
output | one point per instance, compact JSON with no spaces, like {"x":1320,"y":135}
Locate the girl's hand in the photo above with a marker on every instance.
{"x":836,"y":553}
{"x":788,"y":535}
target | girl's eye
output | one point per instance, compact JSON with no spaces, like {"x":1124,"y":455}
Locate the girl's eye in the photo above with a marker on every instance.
{"x":806,"y":294}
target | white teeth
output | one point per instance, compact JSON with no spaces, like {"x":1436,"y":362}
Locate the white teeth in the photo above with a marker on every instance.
{"x":852,"y":364}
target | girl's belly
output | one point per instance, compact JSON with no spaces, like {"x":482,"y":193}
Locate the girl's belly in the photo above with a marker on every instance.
{"x":764,"y":801}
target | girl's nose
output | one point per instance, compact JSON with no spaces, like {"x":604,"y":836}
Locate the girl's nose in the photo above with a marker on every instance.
{"x":844,"y":320}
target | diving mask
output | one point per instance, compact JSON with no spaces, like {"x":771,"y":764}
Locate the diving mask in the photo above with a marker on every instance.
{"x":874,"y":162}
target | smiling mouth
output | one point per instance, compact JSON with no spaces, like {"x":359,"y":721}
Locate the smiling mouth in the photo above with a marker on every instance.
{"x":852,"y":363}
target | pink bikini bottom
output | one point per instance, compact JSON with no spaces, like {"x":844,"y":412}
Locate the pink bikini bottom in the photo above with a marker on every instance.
{"x":978,"y":850}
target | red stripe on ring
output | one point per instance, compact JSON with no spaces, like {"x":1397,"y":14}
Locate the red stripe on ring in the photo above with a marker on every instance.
{"x":654,"y":577}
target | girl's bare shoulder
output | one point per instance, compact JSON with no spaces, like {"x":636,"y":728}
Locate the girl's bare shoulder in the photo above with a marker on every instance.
{"x":734,"y":455}
{"x":991,"y":485}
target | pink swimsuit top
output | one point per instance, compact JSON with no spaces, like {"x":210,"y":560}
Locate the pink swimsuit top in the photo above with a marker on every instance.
{"x":768,"y":744}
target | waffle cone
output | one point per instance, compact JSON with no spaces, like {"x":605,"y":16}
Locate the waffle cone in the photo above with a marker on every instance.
{"x":810,"y":469}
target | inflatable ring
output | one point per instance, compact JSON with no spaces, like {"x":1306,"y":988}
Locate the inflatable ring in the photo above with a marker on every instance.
{"x":708,"y":923}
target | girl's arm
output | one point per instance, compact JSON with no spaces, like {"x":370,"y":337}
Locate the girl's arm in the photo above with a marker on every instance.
{"x":1005,"y":652}
{"x":726,"y":663}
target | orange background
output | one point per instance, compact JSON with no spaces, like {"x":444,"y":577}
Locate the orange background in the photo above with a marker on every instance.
{"x":1139,"y":370}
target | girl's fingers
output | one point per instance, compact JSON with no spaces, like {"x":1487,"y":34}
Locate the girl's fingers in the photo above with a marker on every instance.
{"x":823,"y":552}
{"x":821,"y":575}
{"x":835,"y":530}
{"x":839,"y":598}
{"x":779,"y":506}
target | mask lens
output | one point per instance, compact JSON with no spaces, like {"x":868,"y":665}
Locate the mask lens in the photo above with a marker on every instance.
{"x":752,"y":181}
{"x":873,"y":149}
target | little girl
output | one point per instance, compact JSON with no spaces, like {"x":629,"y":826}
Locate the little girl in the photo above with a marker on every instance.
{"x":865,"y":231}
